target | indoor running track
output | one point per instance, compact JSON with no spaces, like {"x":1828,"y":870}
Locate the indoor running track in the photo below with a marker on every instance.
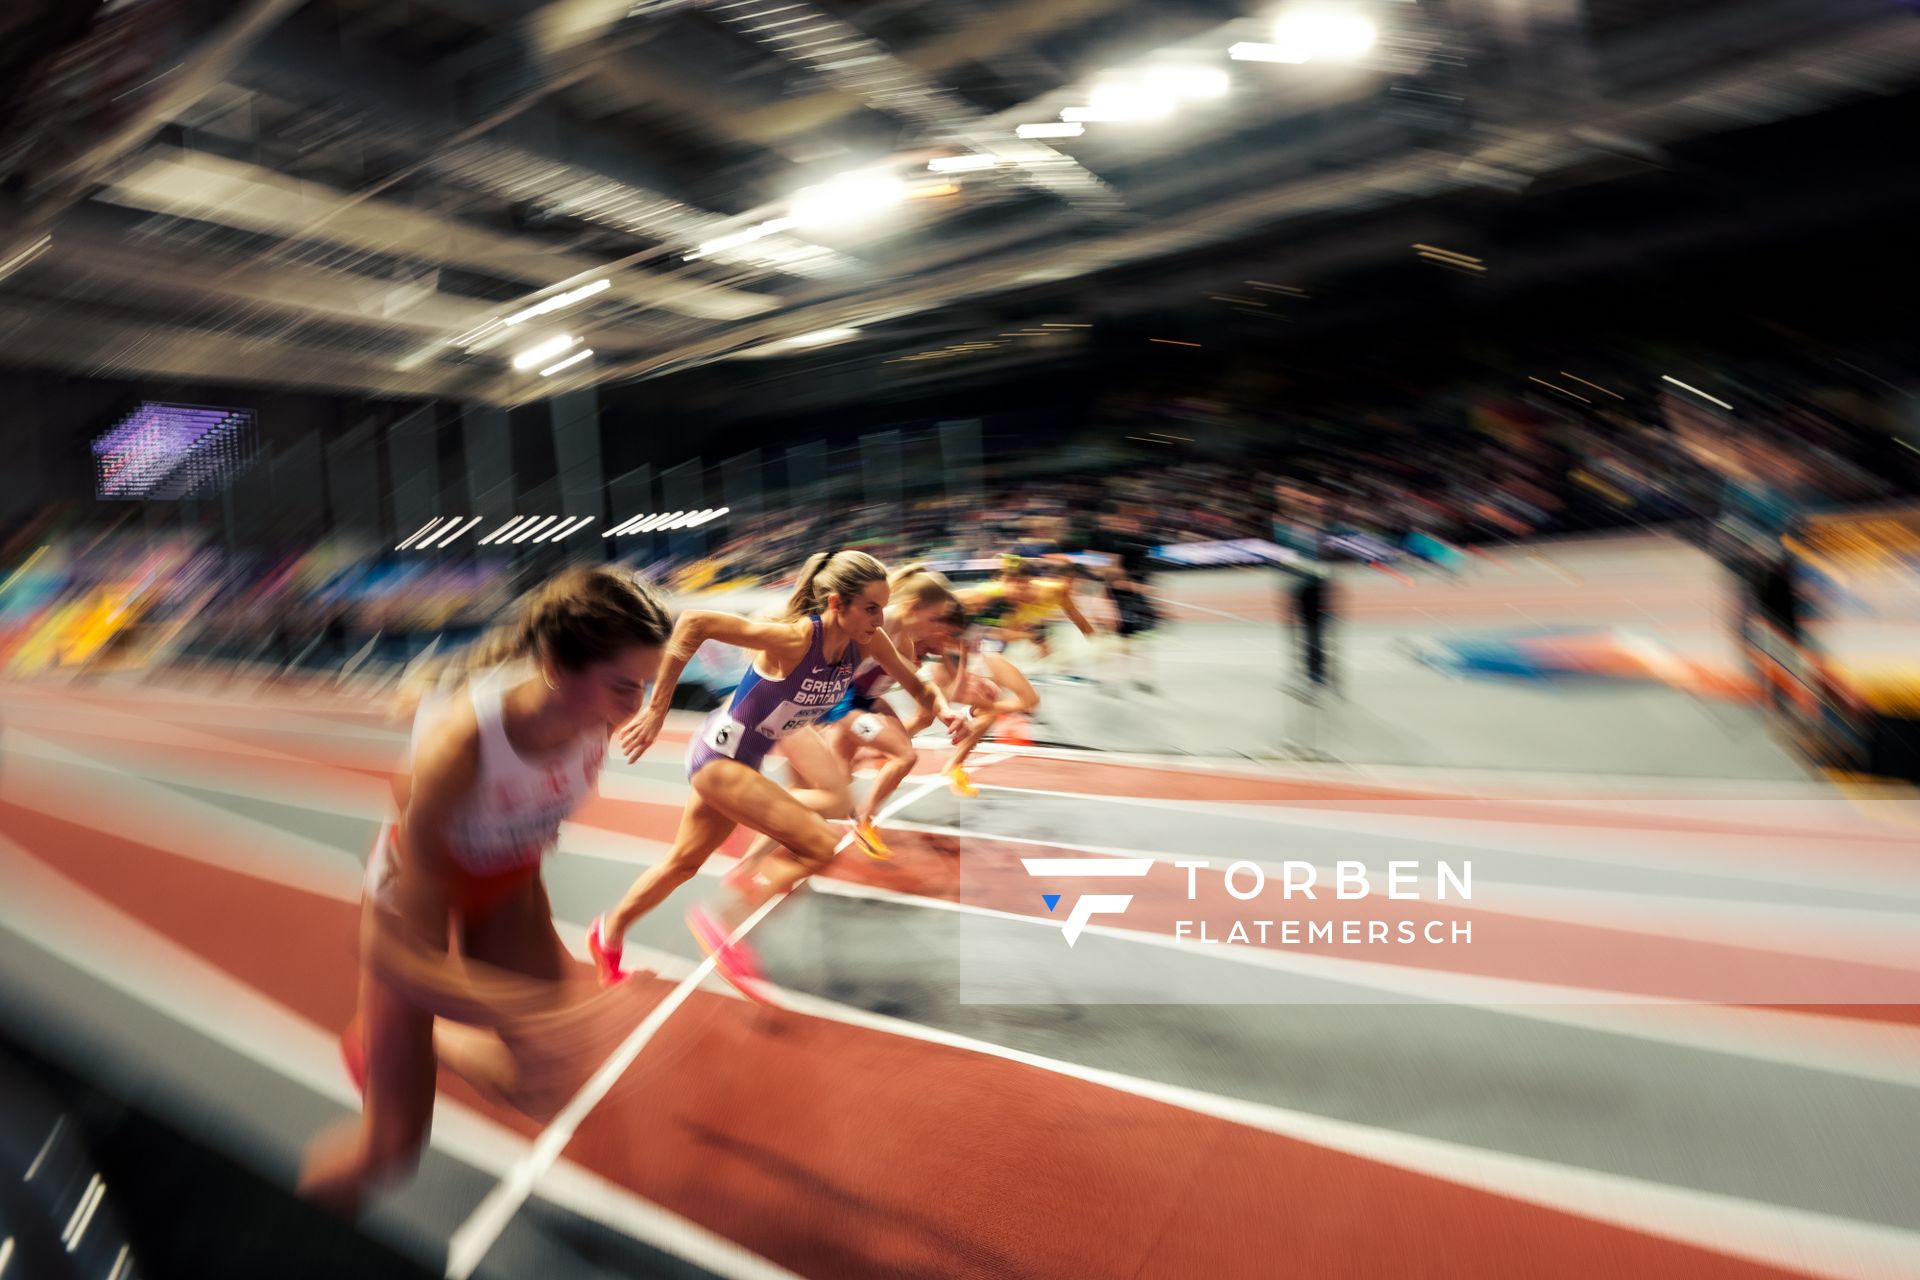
{"x":182,"y":868}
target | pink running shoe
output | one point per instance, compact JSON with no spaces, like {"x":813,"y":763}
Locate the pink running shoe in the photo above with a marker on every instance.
{"x":606,"y":960}
{"x":734,"y":961}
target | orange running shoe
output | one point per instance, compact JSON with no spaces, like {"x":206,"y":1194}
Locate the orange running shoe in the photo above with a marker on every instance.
{"x":869,"y":837}
{"x":962,"y":786}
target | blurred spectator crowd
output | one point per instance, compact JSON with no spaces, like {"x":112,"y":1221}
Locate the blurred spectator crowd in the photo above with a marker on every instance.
{"x":76,"y":598}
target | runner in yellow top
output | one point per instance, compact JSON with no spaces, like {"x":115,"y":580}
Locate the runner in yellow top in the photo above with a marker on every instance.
{"x":1017,"y":605}
{"x":1014,"y":606}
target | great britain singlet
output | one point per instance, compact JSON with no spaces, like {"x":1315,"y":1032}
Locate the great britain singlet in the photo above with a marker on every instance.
{"x":763,"y":711}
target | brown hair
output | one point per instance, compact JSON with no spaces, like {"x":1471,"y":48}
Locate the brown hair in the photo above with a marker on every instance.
{"x":574,"y":619}
{"x":842,"y":573}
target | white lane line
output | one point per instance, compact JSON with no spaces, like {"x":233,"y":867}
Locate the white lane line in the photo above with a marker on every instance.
{"x":1830,"y":1044}
{"x":65,"y":784}
{"x":1766,"y":1232}
{"x":95,"y":938}
{"x":474,"y":1237}
{"x":490,"y":1217}
{"x":1201,"y":608}
{"x":1796,"y":1238}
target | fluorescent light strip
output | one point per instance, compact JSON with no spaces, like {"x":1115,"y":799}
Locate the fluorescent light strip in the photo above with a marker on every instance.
{"x":619,"y":528}
{"x":1596,"y":386}
{"x":1451,"y":262}
{"x":457,"y":534}
{"x":1064,"y":129}
{"x":1446,"y":253}
{"x":25,"y":256}
{"x":565,"y":527}
{"x":422,"y":529}
{"x":960,"y":164}
{"x":1256,"y":51}
{"x":1562,"y":390}
{"x":542,"y":352}
{"x":571,"y":360}
{"x":1667,"y":377}
{"x":584,"y":522}
{"x":560,"y":300}
{"x":512,"y":523}
{"x":532,"y":529}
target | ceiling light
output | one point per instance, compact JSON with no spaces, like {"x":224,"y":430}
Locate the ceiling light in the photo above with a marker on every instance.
{"x":1062,"y":130}
{"x":560,"y":300}
{"x":734,"y":240}
{"x":511,"y":524}
{"x":26,"y":255}
{"x":1684,"y":386}
{"x":538,"y":526}
{"x":1302,"y":35}
{"x":1254,"y":51}
{"x":543,"y":352}
{"x":1196,"y":83}
{"x":456,"y":535}
{"x":1596,"y":386}
{"x":565,"y":528}
{"x":821,"y":337}
{"x":1122,"y":102}
{"x":422,"y":529}
{"x":849,"y":200}
{"x":960,"y":164}
{"x":573,"y":359}
{"x":1562,"y":390}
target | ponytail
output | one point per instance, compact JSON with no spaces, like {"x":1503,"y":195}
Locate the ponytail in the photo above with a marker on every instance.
{"x":829,"y":573}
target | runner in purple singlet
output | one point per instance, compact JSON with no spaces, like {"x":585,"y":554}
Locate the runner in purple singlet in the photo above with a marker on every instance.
{"x":806,"y":664}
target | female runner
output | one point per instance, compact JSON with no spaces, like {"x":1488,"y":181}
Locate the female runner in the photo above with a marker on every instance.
{"x":807,"y":660}
{"x":498,"y":763}
{"x":923,"y":619}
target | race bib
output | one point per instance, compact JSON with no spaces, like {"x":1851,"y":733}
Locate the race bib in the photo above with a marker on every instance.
{"x":788,"y":717}
{"x":723,"y":736}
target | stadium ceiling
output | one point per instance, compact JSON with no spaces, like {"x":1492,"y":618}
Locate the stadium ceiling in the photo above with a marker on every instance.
{"x":458,"y":198}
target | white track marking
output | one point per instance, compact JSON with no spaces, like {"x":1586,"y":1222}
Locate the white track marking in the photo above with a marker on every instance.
{"x":65,"y":921}
{"x":1836,"y":1044}
{"x":483,"y":1227}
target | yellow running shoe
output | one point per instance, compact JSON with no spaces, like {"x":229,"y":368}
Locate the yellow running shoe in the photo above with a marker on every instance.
{"x":870,"y":841}
{"x":962,"y":786}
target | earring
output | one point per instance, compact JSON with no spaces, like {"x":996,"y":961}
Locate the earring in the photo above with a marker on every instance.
{"x":547,"y":678}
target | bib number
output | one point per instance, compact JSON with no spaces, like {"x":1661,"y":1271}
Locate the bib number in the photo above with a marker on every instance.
{"x":723,"y":737}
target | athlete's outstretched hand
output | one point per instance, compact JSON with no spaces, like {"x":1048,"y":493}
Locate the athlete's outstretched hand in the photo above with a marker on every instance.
{"x":641,"y":731}
{"x":956,"y":721}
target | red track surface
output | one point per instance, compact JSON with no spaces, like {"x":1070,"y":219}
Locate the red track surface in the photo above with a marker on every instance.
{"x":844,"y":1152}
